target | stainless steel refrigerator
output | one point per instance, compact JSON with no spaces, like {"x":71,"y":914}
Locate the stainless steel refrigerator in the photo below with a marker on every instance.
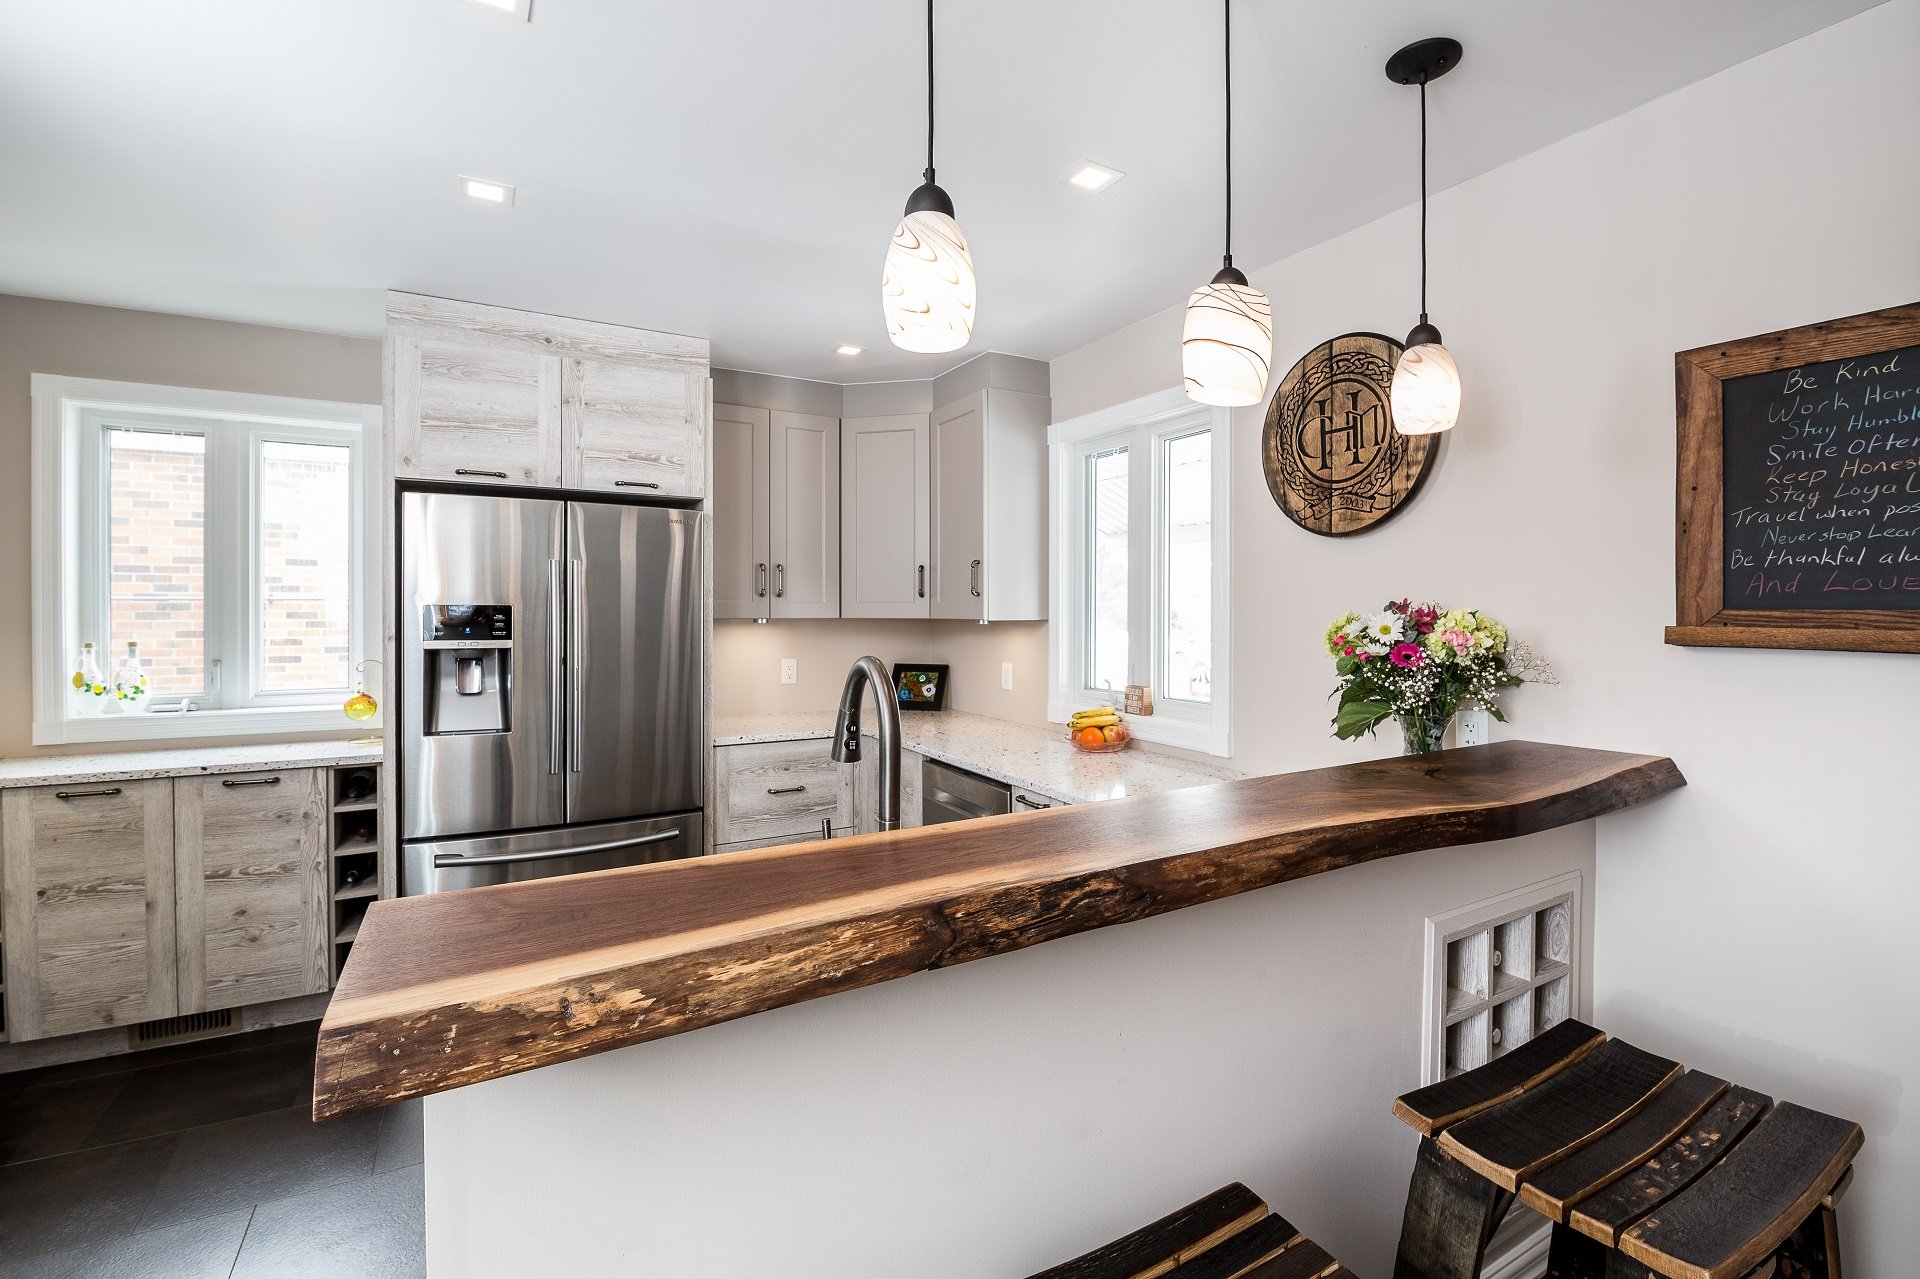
{"x":551,"y":685}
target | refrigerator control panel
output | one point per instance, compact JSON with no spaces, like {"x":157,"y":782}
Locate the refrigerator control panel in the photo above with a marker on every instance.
{"x":468,"y":626}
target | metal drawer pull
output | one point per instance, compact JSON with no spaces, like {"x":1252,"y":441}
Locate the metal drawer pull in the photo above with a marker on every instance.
{"x":1030,"y":803}
{"x":975,"y":572}
{"x":635,"y":484}
{"x":492,"y":475}
{"x":779,"y":581}
{"x":443,"y":860}
{"x":252,"y":781}
{"x":923,"y":581}
{"x":785,"y":790}
{"x":763,"y":582}
{"x":85,"y":794}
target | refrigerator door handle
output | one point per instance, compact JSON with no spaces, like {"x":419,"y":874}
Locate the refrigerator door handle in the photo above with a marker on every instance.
{"x":556,"y":670}
{"x":575,"y":624}
{"x":444,"y":860}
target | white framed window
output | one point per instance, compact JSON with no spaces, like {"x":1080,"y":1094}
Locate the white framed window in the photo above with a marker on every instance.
{"x":1140,"y":565}
{"x":232,"y":537}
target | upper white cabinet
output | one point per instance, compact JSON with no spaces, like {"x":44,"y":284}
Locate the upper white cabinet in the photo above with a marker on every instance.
{"x":491,"y":395}
{"x":742,"y":538}
{"x":776,"y":514}
{"x":989,"y":507}
{"x":805,"y":523}
{"x":886,"y":516}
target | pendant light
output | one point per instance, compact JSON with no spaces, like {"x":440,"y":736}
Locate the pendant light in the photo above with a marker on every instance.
{"x":1426,"y":384}
{"x":1227,"y":343}
{"x":926,"y":288}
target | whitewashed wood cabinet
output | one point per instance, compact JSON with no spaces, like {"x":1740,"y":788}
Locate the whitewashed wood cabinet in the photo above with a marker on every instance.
{"x":88,"y":883}
{"x":250,"y":874}
{"x":989,"y":507}
{"x":886,"y":516}
{"x":777,"y":792}
{"x":131,"y":900}
{"x":490,"y":395}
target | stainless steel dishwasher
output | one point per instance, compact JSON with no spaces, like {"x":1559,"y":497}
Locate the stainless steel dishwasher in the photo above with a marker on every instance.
{"x":949,"y":794}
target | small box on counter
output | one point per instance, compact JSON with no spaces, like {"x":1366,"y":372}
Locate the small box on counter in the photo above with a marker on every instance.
{"x":1139,"y":700}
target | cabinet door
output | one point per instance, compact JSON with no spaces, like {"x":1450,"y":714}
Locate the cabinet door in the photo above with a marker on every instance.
{"x":1013,"y":578}
{"x":742,"y":553}
{"x":885,"y":532}
{"x":959,"y":508}
{"x":636,"y":426}
{"x":251,"y":856}
{"x":88,"y":890}
{"x":806,"y":515}
{"x":474,"y":412}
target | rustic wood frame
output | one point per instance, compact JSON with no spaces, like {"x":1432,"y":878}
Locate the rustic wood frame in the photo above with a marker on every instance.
{"x":1699,"y":546}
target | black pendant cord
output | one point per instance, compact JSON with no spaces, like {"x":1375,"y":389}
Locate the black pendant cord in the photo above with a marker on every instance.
{"x":1423,"y":197}
{"x":929,"y":90}
{"x":1226,"y":7}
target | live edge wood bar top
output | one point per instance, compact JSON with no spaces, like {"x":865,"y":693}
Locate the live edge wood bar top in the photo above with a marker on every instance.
{"x":452,"y":989}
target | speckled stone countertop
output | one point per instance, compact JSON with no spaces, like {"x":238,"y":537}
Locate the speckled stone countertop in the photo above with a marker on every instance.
{"x":1039,"y":759}
{"x":48,"y":770}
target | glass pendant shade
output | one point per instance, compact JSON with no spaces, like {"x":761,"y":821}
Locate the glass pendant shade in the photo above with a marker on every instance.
{"x":1425,"y":396}
{"x":926,"y":289}
{"x":1227,"y":345}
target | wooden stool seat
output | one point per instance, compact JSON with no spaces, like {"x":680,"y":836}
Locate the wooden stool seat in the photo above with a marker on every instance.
{"x":1634,"y":1158}
{"x":1230,"y":1234}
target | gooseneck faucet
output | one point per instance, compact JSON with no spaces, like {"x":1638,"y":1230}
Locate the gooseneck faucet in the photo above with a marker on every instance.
{"x":846,"y":732}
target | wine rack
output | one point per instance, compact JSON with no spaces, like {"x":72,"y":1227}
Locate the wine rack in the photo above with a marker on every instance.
{"x":353,"y":858}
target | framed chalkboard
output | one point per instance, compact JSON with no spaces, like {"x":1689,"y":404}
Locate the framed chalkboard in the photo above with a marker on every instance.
{"x":1798,"y":514}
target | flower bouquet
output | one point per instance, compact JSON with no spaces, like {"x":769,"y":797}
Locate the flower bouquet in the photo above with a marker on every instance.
{"x":1420,"y":665}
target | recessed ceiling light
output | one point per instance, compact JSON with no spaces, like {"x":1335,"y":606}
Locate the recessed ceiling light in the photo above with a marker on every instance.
{"x":521,"y":9}
{"x":486,"y":192}
{"x":847,"y":348}
{"x":1090,"y":177}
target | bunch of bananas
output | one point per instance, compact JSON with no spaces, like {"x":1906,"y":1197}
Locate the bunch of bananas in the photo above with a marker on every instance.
{"x":1094,"y":717}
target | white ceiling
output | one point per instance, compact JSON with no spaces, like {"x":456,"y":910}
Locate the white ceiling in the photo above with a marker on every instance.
{"x":734,"y":168}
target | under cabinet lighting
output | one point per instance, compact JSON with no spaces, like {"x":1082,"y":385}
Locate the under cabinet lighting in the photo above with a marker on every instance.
{"x":847,"y":348}
{"x":486,"y":192}
{"x":1091,"y":177}
{"x":519,"y":9}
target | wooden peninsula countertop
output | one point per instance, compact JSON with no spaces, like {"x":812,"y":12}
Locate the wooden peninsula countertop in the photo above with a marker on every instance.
{"x":457,"y":988}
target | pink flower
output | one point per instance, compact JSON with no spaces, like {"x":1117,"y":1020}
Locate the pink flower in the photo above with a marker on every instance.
{"x":1461,"y":641}
{"x":1407,"y":653}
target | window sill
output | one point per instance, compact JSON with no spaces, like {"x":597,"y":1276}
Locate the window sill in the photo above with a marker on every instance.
{"x":1162,"y":729}
{"x":195,"y":725}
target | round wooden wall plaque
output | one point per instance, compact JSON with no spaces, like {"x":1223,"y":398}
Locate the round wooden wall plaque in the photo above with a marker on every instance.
{"x":1333,"y":461}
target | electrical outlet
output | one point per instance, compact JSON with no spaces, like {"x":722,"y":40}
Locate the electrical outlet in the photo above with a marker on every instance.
{"x":789,"y":670}
{"x":1006,"y":676}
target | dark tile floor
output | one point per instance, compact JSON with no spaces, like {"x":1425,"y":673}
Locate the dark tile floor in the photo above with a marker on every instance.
{"x":201,"y":1160}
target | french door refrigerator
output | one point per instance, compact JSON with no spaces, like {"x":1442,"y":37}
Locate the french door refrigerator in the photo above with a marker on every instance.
{"x":551,"y":683}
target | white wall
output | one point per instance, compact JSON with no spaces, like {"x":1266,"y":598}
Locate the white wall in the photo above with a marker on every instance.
{"x":993,"y":1119}
{"x":1755,"y":924}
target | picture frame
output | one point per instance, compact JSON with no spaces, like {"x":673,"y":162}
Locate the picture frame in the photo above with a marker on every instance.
{"x":920,"y":686}
{"x":1704,"y":615}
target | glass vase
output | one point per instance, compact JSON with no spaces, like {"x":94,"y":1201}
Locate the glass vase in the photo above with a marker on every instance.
{"x":1421,"y":736}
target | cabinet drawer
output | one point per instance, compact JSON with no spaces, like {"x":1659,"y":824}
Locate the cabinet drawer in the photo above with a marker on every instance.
{"x":775,"y":841}
{"x":1028,"y":801}
{"x":769,"y":789}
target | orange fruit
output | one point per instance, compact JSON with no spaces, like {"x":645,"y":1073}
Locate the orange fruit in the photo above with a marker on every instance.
{"x":1090,"y":737}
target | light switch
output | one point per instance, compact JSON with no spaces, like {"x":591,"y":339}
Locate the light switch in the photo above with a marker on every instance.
{"x":789,"y":670}
{"x":1006,"y":676}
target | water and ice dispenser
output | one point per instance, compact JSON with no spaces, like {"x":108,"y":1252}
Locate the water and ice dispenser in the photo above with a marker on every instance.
{"x":468,"y":667}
